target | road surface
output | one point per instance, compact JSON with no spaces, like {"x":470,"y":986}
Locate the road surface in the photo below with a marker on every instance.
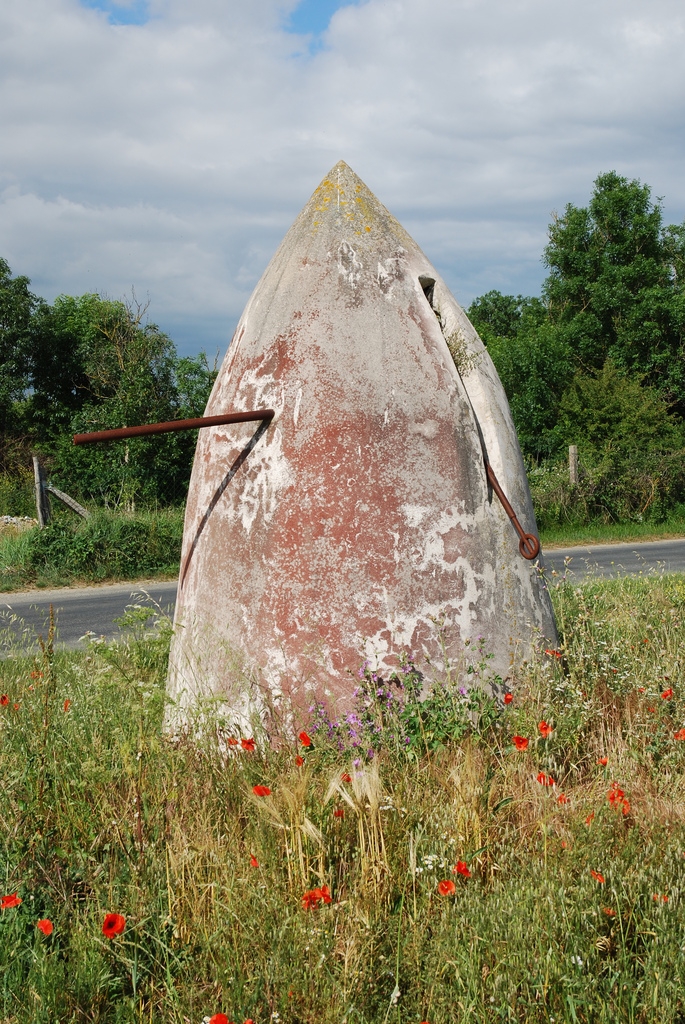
{"x":78,"y":610}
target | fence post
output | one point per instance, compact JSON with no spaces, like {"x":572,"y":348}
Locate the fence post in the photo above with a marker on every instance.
{"x":42,"y":501}
{"x":573,"y":464}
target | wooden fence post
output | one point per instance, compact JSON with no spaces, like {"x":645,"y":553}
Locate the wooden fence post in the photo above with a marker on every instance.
{"x":573,"y":464}
{"x":43,"y":512}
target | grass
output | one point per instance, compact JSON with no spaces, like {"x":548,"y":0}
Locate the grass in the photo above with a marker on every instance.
{"x":107,"y":546}
{"x":102,"y":811}
{"x":611,"y":533}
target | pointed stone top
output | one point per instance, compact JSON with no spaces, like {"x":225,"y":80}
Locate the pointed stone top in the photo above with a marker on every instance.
{"x":344,"y":206}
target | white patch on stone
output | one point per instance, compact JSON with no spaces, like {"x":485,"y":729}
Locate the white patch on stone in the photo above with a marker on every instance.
{"x":298,"y":399}
{"x":349,"y":266}
{"x":427,"y":429}
{"x":414,"y":514}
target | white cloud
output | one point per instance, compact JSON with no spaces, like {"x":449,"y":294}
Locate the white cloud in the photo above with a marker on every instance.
{"x":174,"y":155}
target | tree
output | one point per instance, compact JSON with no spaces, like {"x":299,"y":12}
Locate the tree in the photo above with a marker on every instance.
{"x":533,"y":361}
{"x":615,"y":288}
{"x":17,"y":306}
{"x":126,"y":372}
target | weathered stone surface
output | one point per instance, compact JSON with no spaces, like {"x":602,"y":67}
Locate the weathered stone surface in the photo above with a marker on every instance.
{"x":362,"y":512}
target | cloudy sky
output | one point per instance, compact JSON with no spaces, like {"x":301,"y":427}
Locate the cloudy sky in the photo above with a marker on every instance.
{"x":169,"y":144}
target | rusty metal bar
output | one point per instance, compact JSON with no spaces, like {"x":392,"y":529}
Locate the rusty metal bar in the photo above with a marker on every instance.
{"x":529,"y":545}
{"x":165,"y":428}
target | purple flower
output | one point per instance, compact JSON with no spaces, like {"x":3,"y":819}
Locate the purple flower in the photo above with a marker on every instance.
{"x":463,"y":691}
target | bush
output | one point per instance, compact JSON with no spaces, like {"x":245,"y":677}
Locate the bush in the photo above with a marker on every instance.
{"x":106,"y":546}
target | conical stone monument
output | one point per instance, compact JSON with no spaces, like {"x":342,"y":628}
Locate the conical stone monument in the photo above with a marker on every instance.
{"x":362,"y":512}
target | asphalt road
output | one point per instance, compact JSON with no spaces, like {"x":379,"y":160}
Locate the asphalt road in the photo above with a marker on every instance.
{"x":97,"y":608}
{"x":78,"y":610}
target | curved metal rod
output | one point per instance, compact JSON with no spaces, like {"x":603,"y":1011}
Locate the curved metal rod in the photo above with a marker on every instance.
{"x":529,"y":545}
{"x":165,"y":428}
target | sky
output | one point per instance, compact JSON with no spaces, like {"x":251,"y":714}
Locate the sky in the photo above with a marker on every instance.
{"x":168,"y":145}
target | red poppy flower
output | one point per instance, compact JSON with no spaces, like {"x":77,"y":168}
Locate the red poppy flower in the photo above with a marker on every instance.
{"x":247,"y":745}
{"x":254,"y":863}
{"x":338,"y":813}
{"x":113,"y":924}
{"x":508,"y":697}
{"x":447,"y":887}
{"x":346,"y":777}
{"x":67,"y":704}
{"x":9,"y":901}
{"x":597,"y":876}
{"x":603,"y":760}
{"x":545,"y":729}
{"x":4,"y":700}
{"x":657,"y":896}
{"x":261,"y":791}
{"x":590,"y":818}
{"x":232,"y":741}
{"x":311,"y":899}
{"x":304,"y":739}
{"x":44,"y":926}
{"x":609,"y":911}
{"x":461,"y":868}
{"x":562,"y":799}
{"x":299,"y":761}
{"x":680,"y":735}
{"x":545,"y":780}
{"x":16,"y":707}
{"x":219,"y":1018}
{"x":667,"y":694}
{"x":616,"y":798}
{"x":553,"y":653}
{"x":520,"y":742}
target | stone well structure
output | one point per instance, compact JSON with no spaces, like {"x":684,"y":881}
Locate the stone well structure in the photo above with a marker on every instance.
{"x":362,"y":511}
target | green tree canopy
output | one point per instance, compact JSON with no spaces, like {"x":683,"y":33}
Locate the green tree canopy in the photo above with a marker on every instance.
{"x":614,"y":297}
{"x":17,"y":307}
{"x":89,"y":363}
{"x":615,"y":288}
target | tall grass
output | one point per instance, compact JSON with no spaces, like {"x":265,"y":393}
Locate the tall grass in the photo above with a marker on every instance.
{"x":100,"y":811}
{"x":109,"y":545}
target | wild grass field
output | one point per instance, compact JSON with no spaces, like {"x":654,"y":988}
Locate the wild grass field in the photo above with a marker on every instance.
{"x":521,"y":863}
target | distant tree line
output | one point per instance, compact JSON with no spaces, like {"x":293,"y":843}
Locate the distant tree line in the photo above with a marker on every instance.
{"x":90,"y":363}
{"x":598,"y":359}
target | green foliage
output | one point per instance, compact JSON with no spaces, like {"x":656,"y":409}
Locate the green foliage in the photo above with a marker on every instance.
{"x":535,"y":367}
{"x":613,"y":289}
{"x":106,"y":546}
{"x":101,"y":811}
{"x":17,"y":496}
{"x":17,"y":306}
{"x":598,"y":362}
{"x":92,"y":363}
